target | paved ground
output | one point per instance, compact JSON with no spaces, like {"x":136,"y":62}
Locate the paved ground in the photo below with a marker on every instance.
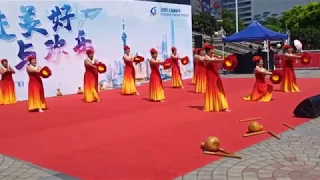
{"x":13,"y":169}
{"x":295,"y":157}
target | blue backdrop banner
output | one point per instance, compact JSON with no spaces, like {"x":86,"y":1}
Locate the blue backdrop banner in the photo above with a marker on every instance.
{"x":59,"y":32}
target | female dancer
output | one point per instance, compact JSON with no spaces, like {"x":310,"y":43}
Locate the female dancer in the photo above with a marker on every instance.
{"x":289,"y":82}
{"x":36,"y":99}
{"x":7,"y":83}
{"x":215,"y":99}
{"x":195,"y":64}
{"x":155,"y":84}
{"x":201,"y":76}
{"x":1,"y":99}
{"x":129,"y":85}
{"x":176,"y":74}
{"x":90,"y":85}
{"x":261,"y":90}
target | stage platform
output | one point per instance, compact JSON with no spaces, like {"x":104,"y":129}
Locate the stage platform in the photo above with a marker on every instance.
{"x":131,"y":138}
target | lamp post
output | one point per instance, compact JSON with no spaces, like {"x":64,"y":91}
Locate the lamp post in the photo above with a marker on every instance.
{"x":237,"y":18}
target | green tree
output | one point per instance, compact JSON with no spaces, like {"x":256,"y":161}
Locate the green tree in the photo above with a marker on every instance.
{"x":229,"y":22}
{"x":273,"y":24}
{"x":303,"y":23}
{"x":204,"y":23}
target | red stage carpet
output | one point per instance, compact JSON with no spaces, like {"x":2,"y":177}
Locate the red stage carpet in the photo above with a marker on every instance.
{"x":130,"y":138}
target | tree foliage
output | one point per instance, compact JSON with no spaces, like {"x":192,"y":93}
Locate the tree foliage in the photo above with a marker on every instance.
{"x":300,"y":17}
{"x":204,"y":23}
{"x":207,"y":24}
{"x":229,"y":22}
{"x":303,"y":23}
{"x":273,"y":24}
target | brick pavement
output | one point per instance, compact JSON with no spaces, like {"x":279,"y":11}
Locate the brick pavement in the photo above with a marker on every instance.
{"x":295,"y":157}
{"x":13,"y":169}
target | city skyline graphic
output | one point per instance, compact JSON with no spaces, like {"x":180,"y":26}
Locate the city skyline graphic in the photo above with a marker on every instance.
{"x":114,"y":76}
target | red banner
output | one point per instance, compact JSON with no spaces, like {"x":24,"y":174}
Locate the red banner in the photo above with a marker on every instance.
{"x":314,"y":63}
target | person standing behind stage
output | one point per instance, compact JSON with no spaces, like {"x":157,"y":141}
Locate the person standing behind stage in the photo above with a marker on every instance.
{"x":176,"y":73}
{"x":201,"y":77}
{"x":129,"y":84}
{"x":289,"y":82}
{"x":7,"y":83}
{"x":90,"y":84}
{"x":261,"y":90}
{"x":155,"y":85}
{"x":215,"y":98}
{"x":36,"y":99}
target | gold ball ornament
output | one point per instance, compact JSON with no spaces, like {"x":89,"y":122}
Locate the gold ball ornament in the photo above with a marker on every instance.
{"x":255,"y":127}
{"x":202,"y":145}
{"x":211,"y":144}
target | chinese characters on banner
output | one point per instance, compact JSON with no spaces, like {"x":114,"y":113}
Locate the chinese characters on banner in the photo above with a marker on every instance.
{"x":61,"y":19}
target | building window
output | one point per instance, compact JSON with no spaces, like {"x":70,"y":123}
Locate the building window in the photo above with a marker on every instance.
{"x":244,"y":3}
{"x":229,"y":6}
{"x":245,"y":15}
{"x":244,"y":9}
{"x":247,"y":19}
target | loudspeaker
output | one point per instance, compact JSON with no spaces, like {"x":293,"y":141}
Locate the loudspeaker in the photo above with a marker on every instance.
{"x":308,"y":108}
{"x":198,"y":41}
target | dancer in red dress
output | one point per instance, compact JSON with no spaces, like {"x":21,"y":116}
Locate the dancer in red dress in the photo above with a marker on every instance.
{"x":215,"y":98}
{"x":289,"y":82}
{"x":176,"y":73}
{"x":155,"y":84}
{"x":36,"y":99}
{"x":201,"y":76}
{"x":195,"y":64}
{"x":90,"y":84}
{"x":7,"y":83}
{"x":129,"y":82}
{"x":1,"y":98}
{"x":261,"y":90}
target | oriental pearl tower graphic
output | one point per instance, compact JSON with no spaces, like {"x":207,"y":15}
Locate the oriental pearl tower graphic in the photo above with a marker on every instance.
{"x":124,"y":35}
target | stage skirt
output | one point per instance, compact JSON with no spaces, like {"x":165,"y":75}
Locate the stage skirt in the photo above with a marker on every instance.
{"x":201,"y":78}
{"x":128,"y":85}
{"x":261,"y":90}
{"x":36,"y":99}
{"x":194,"y":77}
{"x":155,"y":85}
{"x":289,"y":82}
{"x":215,"y":99}
{"x":176,"y":74}
{"x":8,"y":89}
{"x":1,"y":98}
{"x":90,"y":85}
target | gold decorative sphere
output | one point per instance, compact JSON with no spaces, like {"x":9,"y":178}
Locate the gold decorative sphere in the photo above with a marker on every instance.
{"x":202,"y":145}
{"x":211,"y":144}
{"x":254,"y":127}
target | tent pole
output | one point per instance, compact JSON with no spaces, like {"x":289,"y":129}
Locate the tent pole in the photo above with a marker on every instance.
{"x":237,"y":14}
{"x":223,"y":50}
{"x":268,"y":57}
